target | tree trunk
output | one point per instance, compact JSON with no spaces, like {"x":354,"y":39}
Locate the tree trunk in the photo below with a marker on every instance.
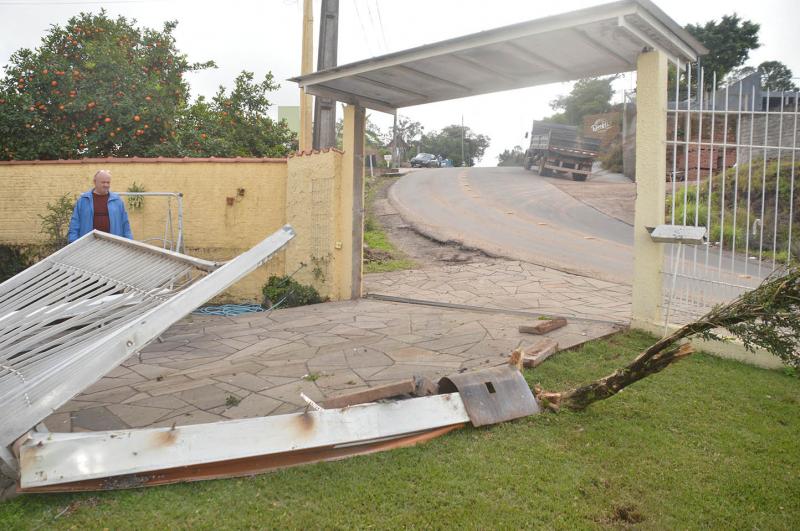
{"x":649,"y":362}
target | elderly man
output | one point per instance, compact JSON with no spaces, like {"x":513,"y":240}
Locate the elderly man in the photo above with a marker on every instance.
{"x":100,"y":209}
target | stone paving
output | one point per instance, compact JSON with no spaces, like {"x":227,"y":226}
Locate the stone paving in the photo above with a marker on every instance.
{"x":216,"y":368}
{"x":509,"y":285}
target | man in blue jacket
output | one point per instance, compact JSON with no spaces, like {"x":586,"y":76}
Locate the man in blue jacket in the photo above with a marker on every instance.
{"x":100,"y":209}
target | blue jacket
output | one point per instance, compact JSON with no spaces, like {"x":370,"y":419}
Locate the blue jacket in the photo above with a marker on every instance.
{"x":82,"y":221}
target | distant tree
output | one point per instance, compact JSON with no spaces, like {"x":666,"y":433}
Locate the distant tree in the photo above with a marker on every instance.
{"x":373,"y":136}
{"x":512,"y":157}
{"x":729,"y":42}
{"x":776,"y":76}
{"x":588,"y":96}
{"x":95,"y":87}
{"x":408,"y":132}
{"x":447,"y":143}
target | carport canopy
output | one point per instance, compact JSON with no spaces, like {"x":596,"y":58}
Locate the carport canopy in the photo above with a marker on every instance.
{"x":596,"y":41}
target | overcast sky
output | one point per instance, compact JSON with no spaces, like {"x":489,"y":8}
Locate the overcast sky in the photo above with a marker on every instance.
{"x":265,"y":35}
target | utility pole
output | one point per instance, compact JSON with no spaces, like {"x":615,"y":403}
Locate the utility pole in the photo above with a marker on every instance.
{"x":463,"y":162}
{"x":305,"y":68}
{"x":325,"y":108}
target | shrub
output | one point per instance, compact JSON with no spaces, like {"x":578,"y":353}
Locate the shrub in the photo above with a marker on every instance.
{"x":12,"y":261}
{"x":287,"y":293}
{"x":55,"y":223}
{"x":612,"y":159}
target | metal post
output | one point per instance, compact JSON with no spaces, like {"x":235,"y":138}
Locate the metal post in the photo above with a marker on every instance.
{"x":463,"y":162}
{"x":325,"y":108}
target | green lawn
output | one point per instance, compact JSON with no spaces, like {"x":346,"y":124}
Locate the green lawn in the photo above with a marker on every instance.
{"x":707,"y":443}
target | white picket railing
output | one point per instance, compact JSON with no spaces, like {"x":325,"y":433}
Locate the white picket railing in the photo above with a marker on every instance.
{"x":732,"y":163}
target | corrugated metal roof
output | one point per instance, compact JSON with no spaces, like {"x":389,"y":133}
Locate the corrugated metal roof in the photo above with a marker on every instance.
{"x":600,"y":40}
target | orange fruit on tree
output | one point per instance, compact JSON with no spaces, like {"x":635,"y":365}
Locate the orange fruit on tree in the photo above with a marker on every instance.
{"x":136,"y":118}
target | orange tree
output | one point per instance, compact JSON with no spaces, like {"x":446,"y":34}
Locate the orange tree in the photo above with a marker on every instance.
{"x":102,"y":87}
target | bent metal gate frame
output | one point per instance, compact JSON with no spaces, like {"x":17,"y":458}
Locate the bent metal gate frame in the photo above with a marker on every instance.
{"x":76,"y":315}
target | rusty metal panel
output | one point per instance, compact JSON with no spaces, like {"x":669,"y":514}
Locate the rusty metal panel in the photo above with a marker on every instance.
{"x":48,"y":459}
{"x":492,"y":395}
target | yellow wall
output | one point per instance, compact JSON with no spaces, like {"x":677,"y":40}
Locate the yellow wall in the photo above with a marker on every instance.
{"x":212,"y":228}
{"x":312,"y":206}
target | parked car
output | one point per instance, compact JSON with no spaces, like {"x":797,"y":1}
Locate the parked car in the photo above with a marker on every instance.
{"x":425,"y":160}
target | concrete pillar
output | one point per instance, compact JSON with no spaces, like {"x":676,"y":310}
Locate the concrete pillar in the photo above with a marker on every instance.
{"x":651,"y":170}
{"x":352,"y":199}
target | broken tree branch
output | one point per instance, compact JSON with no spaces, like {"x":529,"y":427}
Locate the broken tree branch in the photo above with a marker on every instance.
{"x":767,"y":317}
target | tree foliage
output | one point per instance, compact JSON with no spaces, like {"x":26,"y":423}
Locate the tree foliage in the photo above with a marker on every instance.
{"x":588,"y":96}
{"x":101,"y":87}
{"x":511,"y":157}
{"x":776,"y":76}
{"x":233,"y":124}
{"x":729,"y":42}
{"x":447,"y":143}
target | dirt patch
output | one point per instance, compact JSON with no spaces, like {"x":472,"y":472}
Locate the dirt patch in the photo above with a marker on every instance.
{"x":424,"y":251}
{"x":626,"y":515}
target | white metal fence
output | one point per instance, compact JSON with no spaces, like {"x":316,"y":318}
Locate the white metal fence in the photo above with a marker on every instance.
{"x":168,"y":212}
{"x":732,"y":163}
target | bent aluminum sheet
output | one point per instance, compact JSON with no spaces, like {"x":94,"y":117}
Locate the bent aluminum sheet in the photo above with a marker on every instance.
{"x":56,"y":458}
{"x":76,"y":315}
{"x":492,"y":395}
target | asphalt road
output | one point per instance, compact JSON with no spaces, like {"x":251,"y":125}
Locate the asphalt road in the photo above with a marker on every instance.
{"x":517,"y":214}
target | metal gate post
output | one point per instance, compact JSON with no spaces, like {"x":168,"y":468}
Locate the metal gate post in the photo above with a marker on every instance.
{"x":651,"y":155}
{"x":352,"y":201}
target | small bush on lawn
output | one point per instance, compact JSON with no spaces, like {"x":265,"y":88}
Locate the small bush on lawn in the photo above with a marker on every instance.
{"x":288,"y":293}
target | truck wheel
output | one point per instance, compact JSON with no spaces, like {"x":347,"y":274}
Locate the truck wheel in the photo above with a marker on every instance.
{"x":578,"y":177}
{"x":544,"y":172}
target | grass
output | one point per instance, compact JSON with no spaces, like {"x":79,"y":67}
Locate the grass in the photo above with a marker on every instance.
{"x":376,"y":239}
{"x":707,"y":443}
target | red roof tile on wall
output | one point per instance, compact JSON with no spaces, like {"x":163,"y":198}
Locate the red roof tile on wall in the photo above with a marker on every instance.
{"x":140,"y":160}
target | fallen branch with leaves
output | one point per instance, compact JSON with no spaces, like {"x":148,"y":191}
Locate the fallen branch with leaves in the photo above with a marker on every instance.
{"x":767,"y":317}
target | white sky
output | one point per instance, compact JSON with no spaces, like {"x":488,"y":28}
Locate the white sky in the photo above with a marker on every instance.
{"x":266,"y":35}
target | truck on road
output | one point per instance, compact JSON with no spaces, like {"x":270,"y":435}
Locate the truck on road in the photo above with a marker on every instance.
{"x":561,"y":150}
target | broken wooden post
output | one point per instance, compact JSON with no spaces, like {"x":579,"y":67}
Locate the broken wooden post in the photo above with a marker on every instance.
{"x":543,"y":326}
{"x":536,"y":354}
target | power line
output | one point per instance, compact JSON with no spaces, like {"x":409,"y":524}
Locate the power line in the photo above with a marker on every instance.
{"x":88,"y":2}
{"x":363,"y":29}
{"x":380,"y":24}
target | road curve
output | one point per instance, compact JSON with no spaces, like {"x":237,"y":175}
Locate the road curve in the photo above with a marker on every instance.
{"x":515,"y":213}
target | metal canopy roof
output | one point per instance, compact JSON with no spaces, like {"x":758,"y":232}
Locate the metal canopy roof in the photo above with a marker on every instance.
{"x":600,"y":40}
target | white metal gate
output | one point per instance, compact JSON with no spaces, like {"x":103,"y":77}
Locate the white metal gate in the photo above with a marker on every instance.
{"x":732,"y":161}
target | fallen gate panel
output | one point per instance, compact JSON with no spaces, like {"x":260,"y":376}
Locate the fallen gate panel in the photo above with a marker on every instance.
{"x":76,"y":315}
